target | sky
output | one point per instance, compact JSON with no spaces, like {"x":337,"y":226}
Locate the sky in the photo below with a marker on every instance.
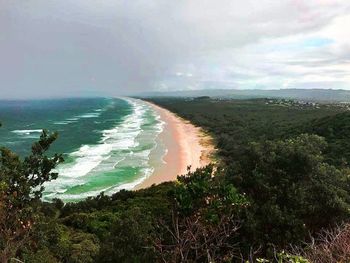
{"x":55,"y":48}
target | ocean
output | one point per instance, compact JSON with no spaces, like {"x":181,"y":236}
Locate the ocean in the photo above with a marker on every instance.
{"x":108,"y":144}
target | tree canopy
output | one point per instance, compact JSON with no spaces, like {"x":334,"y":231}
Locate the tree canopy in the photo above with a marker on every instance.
{"x":282,"y":175}
{"x":20,"y":191}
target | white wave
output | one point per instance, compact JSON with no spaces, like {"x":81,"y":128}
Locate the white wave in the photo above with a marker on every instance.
{"x":108,"y":190}
{"x":90,"y":115}
{"x":89,"y":157}
{"x":131,"y":185}
{"x":67,"y":121}
{"x":79,"y":196}
{"x":26,"y":132}
{"x":73,"y":119}
{"x":61,"y":122}
{"x":61,"y":189}
{"x":59,"y":186}
{"x":116,"y":163}
{"x":119,"y":142}
{"x":94,"y":114}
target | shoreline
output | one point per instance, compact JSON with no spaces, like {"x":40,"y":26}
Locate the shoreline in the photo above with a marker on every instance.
{"x":186,"y":144}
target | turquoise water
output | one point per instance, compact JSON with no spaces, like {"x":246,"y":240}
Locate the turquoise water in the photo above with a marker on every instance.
{"x":106,"y":142}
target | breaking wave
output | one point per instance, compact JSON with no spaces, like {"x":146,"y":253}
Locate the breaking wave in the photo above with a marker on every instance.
{"x":119,"y":160}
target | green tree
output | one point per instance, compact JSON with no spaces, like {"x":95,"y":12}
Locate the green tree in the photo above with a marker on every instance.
{"x":21,"y":187}
{"x":205,"y":219}
{"x":130,"y":238}
{"x":291,"y":189}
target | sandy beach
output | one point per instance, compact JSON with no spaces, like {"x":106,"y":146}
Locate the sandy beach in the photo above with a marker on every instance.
{"x":187,"y":145}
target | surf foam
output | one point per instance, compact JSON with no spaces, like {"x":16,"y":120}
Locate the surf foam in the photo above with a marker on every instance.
{"x":118,"y":148}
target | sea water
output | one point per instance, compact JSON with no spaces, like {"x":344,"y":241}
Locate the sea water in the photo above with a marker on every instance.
{"x":107,"y":143}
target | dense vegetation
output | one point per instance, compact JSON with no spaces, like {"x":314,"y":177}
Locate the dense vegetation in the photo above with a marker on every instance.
{"x":325,"y":95}
{"x":235,"y":123}
{"x":283,"y":175}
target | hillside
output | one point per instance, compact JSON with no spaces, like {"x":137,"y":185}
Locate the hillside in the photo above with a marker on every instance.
{"x":273,"y":187}
{"x":325,"y":95}
{"x":237,"y":122}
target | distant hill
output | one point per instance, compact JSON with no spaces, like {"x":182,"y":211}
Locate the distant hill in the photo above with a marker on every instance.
{"x":325,"y":95}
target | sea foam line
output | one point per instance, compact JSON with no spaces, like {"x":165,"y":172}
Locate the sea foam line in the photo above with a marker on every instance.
{"x":111,"y":189}
{"x":89,"y":157}
{"x":95,"y":114}
{"x":119,"y":138}
{"x":26,"y":132}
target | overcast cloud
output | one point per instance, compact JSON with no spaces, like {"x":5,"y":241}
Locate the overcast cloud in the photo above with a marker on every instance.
{"x":55,"y":48}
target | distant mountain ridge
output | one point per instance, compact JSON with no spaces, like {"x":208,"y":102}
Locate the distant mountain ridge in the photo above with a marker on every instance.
{"x":325,"y":95}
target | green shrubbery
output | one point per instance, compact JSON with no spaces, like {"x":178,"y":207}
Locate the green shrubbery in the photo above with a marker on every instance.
{"x":291,"y":189}
{"x":275,"y":186}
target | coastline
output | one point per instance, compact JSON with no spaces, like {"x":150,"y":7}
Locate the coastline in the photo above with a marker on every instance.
{"x":186,"y":144}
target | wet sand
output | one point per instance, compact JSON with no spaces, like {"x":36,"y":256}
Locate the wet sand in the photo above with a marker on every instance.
{"x":187,"y":145}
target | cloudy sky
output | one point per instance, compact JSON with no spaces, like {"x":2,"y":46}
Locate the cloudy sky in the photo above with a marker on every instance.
{"x":51,"y":48}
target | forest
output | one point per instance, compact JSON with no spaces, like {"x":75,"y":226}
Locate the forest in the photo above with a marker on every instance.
{"x":279,"y":191}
